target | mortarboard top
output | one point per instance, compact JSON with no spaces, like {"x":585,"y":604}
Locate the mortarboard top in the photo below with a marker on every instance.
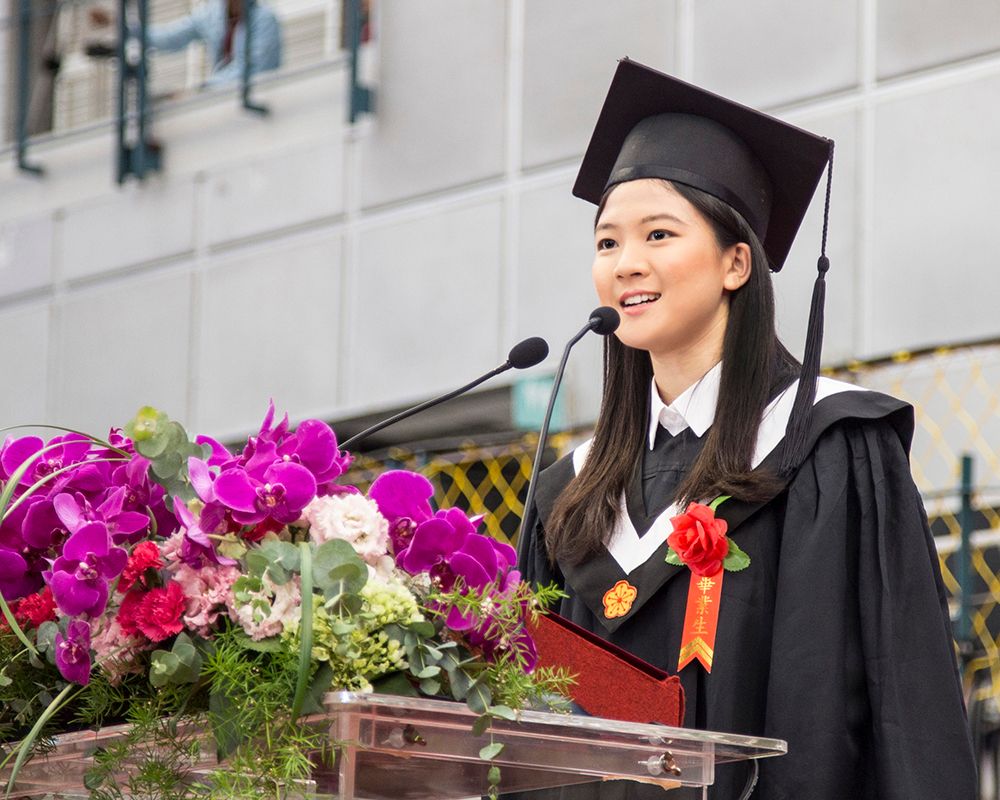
{"x":656,"y":126}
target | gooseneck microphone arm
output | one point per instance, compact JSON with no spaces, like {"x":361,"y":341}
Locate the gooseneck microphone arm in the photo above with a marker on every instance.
{"x":524,"y":354}
{"x":603,"y":321}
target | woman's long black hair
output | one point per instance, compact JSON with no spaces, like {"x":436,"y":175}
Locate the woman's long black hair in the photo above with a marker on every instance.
{"x":753,"y":363}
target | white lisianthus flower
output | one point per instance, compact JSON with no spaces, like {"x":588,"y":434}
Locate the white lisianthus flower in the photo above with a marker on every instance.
{"x":353,"y":518}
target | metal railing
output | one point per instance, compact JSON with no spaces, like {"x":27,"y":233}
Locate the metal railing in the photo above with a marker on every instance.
{"x":134,"y":102}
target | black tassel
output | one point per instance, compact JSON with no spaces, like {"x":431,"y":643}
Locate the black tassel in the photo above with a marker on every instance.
{"x":793,"y":451}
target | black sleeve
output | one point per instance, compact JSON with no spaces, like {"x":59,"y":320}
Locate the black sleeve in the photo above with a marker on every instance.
{"x":533,"y":559}
{"x":864,"y":679}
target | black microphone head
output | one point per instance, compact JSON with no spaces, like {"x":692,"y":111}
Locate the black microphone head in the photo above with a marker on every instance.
{"x":604,"y":320}
{"x":531,"y":351}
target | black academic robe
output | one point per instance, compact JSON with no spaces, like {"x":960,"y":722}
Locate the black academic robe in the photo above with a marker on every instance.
{"x":836,"y":638}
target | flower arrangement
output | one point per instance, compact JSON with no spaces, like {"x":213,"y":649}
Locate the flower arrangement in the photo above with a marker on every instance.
{"x":151,"y":577}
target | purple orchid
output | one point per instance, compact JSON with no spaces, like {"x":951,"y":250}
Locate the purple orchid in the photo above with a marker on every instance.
{"x":15,"y":578}
{"x":79,"y":577}
{"x":447,"y":546}
{"x":143,"y":495}
{"x":74,"y":511}
{"x":71,"y":448}
{"x":72,"y":652}
{"x":314,"y":446}
{"x":41,"y":527}
{"x":197,"y":548}
{"x":265,"y":487}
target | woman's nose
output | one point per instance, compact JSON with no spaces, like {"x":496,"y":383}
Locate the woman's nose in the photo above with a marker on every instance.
{"x":631,"y":262}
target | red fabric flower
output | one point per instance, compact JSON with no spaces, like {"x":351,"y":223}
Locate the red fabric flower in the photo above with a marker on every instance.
{"x":145,"y":555}
{"x":160,"y":614}
{"x":699,"y":539}
{"x":36,"y":608}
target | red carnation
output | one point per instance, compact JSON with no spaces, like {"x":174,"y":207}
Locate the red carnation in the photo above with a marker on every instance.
{"x":36,"y":608}
{"x":699,"y":539}
{"x":145,"y":555}
{"x":159,"y":616}
{"x":128,"y":613}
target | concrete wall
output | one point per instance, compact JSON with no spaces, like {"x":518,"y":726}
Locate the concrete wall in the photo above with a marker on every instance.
{"x":343,"y":270}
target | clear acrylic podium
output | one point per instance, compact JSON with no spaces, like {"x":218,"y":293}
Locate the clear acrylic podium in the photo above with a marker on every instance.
{"x":399,"y":748}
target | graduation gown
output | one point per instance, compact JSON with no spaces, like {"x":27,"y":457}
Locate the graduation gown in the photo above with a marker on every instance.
{"x":836,"y":638}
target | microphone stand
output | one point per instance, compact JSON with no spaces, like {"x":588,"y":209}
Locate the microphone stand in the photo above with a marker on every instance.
{"x":527,"y":521}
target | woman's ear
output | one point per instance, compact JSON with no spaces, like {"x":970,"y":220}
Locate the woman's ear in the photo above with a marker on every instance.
{"x":738,"y":266}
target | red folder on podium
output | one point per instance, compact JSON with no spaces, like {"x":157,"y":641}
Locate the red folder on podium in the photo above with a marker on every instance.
{"x":611,"y":682}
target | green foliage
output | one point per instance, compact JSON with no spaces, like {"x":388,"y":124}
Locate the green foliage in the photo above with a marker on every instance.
{"x":180,"y":664}
{"x":735,"y":559}
{"x":340,"y":574}
{"x":167,"y":446}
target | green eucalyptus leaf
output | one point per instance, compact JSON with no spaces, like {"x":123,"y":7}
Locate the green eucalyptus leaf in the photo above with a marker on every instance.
{"x":153,"y":447}
{"x":145,"y":424}
{"x":320,"y":685}
{"x":45,"y":638}
{"x":395,"y":683}
{"x":481,"y":725}
{"x":167,"y":465}
{"x":345,"y":604}
{"x":231,"y":547}
{"x":503,"y":712}
{"x":337,"y":567}
{"x":479,"y":697}
{"x":430,"y":686}
{"x":163,"y":665}
{"x":278,"y":574}
{"x":423,"y":629}
{"x":460,"y":683}
{"x":257,"y":562}
{"x":429,"y":672}
{"x":493,"y":775}
{"x":491,"y":751}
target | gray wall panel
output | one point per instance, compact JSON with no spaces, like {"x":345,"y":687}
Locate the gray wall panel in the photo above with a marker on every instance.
{"x":424,"y":306}
{"x":122,"y":347}
{"x":25,"y":367}
{"x":269,"y":329}
{"x":934,"y":276}
{"x":440,"y":119}
{"x":787,"y":50}
{"x":793,"y":285}
{"x":570,"y":47}
{"x":915,"y":34}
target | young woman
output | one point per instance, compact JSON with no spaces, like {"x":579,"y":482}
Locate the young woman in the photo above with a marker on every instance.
{"x":830,"y":627}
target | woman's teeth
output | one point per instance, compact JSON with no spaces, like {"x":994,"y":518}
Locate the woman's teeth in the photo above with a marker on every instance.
{"x":636,"y":299}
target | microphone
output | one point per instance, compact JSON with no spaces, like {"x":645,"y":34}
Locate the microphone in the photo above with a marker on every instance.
{"x":522,"y":355}
{"x":603,"y":321}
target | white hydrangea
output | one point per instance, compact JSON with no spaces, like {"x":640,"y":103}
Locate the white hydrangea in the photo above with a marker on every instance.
{"x":353,"y":518}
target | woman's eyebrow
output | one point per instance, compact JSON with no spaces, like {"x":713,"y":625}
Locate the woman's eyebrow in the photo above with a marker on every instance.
{"x":664,"y":215}
{"x":644,"y":221}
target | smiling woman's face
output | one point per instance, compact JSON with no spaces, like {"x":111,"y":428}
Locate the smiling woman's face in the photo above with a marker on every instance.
{"x":658,"y":263}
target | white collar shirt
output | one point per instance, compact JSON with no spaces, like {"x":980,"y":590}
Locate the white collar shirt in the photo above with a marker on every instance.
{"x":694,"y":408}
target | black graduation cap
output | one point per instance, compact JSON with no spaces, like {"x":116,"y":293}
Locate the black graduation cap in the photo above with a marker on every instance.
{"x":655,"y":126}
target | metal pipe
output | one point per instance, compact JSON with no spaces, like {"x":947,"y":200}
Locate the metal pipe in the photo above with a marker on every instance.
{"x":248,"y":104}
{"x":24,"y":86}
{"x":964,"y":628}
